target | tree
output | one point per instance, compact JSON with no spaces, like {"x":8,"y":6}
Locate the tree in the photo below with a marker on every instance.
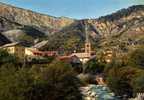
{"x":61,"y":82}
{"x":5,"y":57}
{"x":119,"y":80}
{"x":93,"y":67}
{"x":50,"y":82}
{"x":26,"y":38}
{"x":136,"y":58}
{"x":71,"y":43}
{"x":13,"y":84}
{"x":138,"y":83}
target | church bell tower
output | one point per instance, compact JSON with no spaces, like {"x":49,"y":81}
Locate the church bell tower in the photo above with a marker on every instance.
{"x":87,"y":42}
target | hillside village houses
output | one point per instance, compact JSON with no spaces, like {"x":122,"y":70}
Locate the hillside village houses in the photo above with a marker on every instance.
{"x":30,"y":53}
{"x":25,"y":52}
{"x":108,"y":54}
{"x":15,"y":48}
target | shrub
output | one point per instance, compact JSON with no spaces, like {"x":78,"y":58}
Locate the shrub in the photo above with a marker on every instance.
{"x":119,"y":80}
{"x":51,"y":82}
{"x":138,"y":84}
{"x":62,"y":82}
{"x":87,"y":79}
{"x":5,"y":57}
{"x":93,"y":67}
{"x":136,"y":58}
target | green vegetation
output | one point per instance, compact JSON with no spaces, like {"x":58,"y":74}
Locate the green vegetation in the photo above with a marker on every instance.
{"x":136,"y":57}
{"x":119,"y":79}
{"x":6,"y":58}
{"x":126,"y":79}
{"x":124,"y":74}
{"x":71,"y":43}
{"x":93,"y":67}
{"x":56,"y":79}
{"x":138,"y":83}
{"x":53,"y":81}
{"x":26,"y":38}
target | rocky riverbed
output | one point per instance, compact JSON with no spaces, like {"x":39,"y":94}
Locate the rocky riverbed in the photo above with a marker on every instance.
{"x":97,"y":92}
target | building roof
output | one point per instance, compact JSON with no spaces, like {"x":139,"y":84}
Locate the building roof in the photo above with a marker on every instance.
{"x":81,"y":55}
{"x":40,"y":44}
{"x":43,"y":53}
{"x":10,"y":44}
{"x":69,"y":58}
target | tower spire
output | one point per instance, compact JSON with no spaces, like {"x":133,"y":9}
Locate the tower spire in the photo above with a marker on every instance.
{"x":86,"y":33}
{"x":87,"y":42}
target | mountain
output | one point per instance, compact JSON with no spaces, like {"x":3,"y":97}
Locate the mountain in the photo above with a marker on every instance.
{"x":120,"y":30}
{"x":30,"y":18}
{"x":32,"y":24}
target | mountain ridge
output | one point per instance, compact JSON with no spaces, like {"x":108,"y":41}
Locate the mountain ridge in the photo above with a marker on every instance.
{"x":28,"y":17}
{"x":112,"y":30}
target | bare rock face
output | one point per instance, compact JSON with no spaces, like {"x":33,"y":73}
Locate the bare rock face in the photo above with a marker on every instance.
{"x":30,"y":18}
{"x":125,"y":21}
{"x":29,"y":24}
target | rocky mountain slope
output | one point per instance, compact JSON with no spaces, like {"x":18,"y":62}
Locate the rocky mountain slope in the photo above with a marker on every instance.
{"x":30,"y":18}
{"x":120,"y":30}
{"x":31,"y":24}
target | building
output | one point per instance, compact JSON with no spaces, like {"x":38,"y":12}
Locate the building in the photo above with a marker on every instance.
{"x":24,"y":52}
{"x":108,"y":55}
{"x":33,"y":53}
{"x":84,"y":57}
{"x":29,"y":52}
{"x":40,"y":45}
{"x":69,"y":59}
{"x":44,"y":53}
{"x":15,"y":48}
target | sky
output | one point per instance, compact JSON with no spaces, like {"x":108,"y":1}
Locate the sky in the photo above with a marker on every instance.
{"x":78,"y":9}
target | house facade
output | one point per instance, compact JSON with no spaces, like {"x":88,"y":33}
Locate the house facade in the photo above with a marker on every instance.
{"x":16,"y":49}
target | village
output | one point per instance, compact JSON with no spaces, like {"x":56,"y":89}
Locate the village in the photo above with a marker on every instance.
{"x":35,"y":53}
{"x":30,"y":54}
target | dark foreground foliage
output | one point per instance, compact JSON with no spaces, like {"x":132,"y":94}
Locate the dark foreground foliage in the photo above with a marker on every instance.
{"x":56,"y":81}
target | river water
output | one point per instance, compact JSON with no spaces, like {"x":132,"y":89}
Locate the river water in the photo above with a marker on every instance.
{"x":97,"y":92}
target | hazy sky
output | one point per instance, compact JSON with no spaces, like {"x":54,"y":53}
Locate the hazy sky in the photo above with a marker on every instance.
{"x":74,"y":8}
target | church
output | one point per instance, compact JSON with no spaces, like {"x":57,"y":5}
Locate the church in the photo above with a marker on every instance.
{"x":87,"y":54}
